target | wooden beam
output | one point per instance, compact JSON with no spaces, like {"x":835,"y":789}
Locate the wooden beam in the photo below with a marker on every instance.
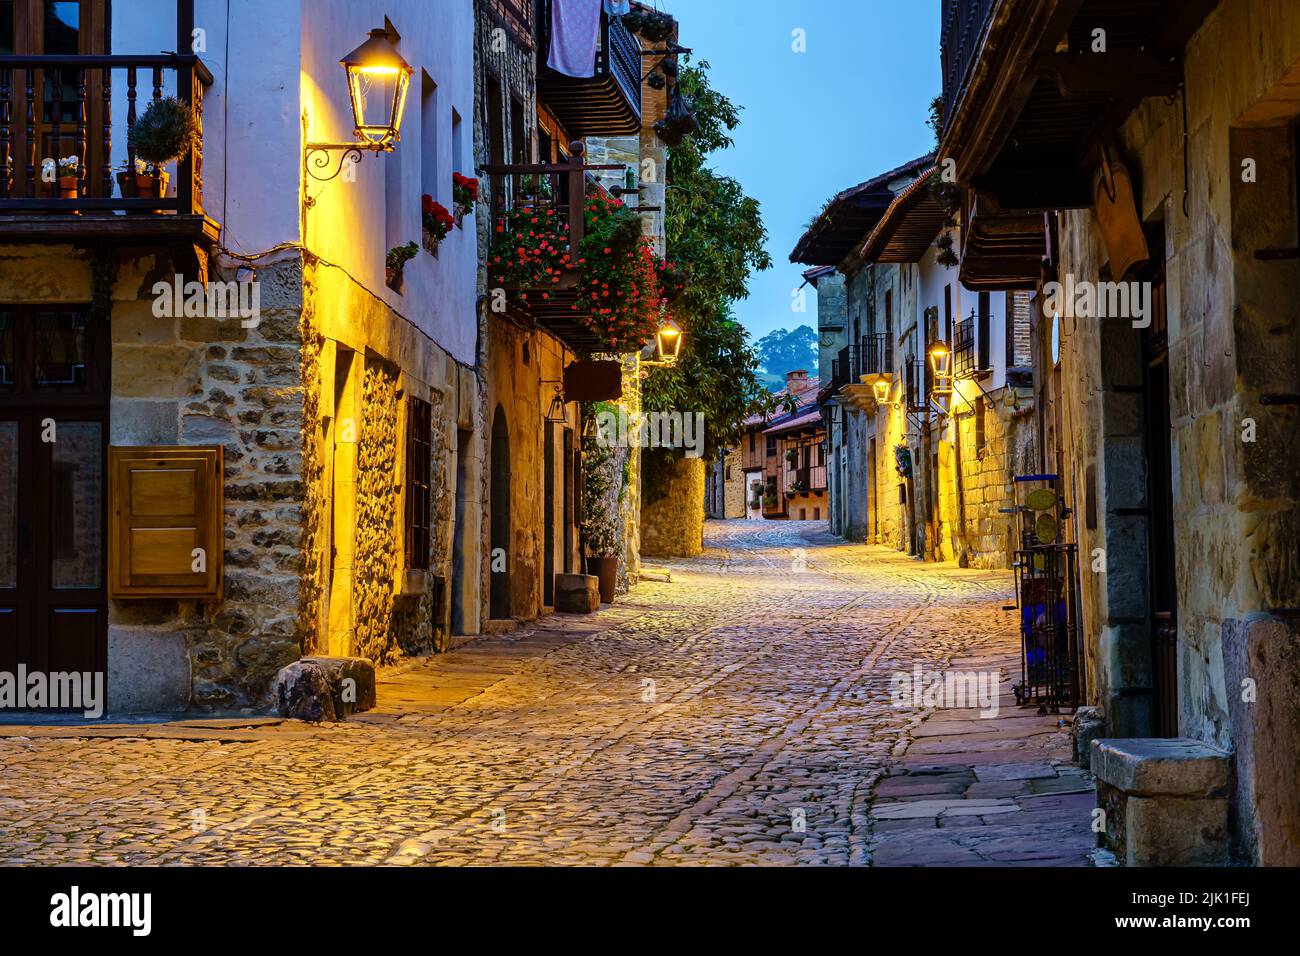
{"x":1119,"y":73}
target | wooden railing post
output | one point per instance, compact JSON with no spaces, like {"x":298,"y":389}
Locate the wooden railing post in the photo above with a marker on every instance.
{"x":6,"y":135}
{"x":185,"y":166}
{"x":106,"y":143}
{"x":31,"y":133}
{"x":83,"y":159}
{"x":577,"y":198}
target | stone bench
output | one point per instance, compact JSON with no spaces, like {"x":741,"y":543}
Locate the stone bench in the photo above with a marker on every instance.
{"x":1165,"y":800}
{"x":324,"y":689}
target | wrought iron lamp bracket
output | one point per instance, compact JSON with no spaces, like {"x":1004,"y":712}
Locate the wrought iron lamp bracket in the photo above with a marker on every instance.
{"x":318,"y":157}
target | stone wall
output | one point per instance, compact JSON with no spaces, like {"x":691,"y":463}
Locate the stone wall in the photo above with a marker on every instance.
{"x":1233,"y":337}
{"x":375,"y":565}
{"x":672,"y":507}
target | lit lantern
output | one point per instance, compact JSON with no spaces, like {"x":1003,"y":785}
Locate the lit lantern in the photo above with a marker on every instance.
{"x":881,"y":387}
{"x":378,"y":81}
{"x":941,"y":365}
{"x":670,"y":342}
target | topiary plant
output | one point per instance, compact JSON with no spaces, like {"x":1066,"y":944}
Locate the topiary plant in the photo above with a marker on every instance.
{"x":164,"y":133}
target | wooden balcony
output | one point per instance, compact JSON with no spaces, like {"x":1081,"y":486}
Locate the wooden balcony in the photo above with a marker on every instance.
{"x":39,"y":120}
{"x":607,"y":104}
{"x":559,"y":188}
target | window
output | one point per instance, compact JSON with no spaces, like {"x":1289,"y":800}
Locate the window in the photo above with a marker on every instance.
{"x":771,"y":446}
{"x":980,"y":437}
{"x":418,"y":468}
{"x":984,"y":353}
{"x":430,"y":178}
{"x":947,"y":312}
{"x":752,"y":442}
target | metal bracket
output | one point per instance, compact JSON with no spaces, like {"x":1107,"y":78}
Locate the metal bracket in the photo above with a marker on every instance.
{"x":317,"y":156}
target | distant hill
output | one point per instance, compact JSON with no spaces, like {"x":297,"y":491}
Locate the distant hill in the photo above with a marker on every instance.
{"x":785,"y":351}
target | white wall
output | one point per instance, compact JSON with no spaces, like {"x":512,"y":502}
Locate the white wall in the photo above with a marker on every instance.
{"x":349,"y":226}
{"x":274,"y":61}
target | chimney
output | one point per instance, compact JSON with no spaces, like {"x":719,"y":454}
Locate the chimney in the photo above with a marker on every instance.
{"x":796,"y":381}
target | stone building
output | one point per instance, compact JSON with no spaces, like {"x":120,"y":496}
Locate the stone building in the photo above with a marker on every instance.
{"x":232,"y":488}
{"x":782,"y":459}
{"x":542,"y":135}
{"x":1165,"y":285}
{"x":724,"y":486}
{"x":923,"y":470}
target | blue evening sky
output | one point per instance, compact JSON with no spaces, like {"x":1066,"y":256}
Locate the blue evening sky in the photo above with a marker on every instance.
{"x":854,"y":105}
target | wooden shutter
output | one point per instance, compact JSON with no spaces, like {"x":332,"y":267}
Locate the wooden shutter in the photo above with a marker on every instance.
{"x":165,"y":503}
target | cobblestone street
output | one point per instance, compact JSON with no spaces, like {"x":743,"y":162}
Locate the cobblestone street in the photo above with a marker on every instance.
{"x":739,"y":714}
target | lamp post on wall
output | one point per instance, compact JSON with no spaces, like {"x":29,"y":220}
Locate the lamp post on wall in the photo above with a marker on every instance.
{"x":378,"y":80}
{"x":668,"y":345}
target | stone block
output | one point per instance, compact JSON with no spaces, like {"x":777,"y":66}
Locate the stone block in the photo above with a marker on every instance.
{"x":577,"y":593}
{"x":143,"y":423}
{"x":350,"y":698}
{"x":302,"y":692}
{"x":1175,"y":831}
{"x":1151,"y":766}
{"x":148,"y":670}
{"x":1089,"y":725}
{"x":325,"y":689}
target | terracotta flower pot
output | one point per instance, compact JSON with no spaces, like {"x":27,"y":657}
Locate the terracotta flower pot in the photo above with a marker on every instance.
{"x":606,"y":569}
{"x":152,"y":185}
{"x":67,"y":187}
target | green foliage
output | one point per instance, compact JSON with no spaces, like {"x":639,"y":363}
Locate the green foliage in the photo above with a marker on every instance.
{"x":783,"y":351}
{"x":399,"y":256}
{"x":599,"y":530}
{"x":715,"y":233}
{"x":165,"y":132}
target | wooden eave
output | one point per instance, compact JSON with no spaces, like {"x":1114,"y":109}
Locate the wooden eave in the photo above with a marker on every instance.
{"x":1027,"y":124}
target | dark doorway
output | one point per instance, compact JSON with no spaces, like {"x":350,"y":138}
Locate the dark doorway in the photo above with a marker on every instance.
{"x":1160,"y":499}
{"x":54,"y":389}
{"x":570,"y":457}
{"x":463,"y":439}
{"x":499,"y":559}
{"x":548,"y":520}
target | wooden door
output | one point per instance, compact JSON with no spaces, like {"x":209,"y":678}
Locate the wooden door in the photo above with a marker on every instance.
{"x":53,"y":489}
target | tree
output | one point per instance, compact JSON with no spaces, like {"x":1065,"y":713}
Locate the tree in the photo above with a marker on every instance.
{"x":784,"y":351}
{"x":715,"y":232}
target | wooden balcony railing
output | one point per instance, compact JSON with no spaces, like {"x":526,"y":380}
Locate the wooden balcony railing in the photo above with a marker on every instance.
{"x":37,"y":122}
{"x":561,"y":189}
{"x":963,"y":24}
{"x":607,"y":104}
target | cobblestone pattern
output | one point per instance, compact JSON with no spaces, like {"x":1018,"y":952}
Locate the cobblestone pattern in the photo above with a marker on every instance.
{"x":737,"y":715}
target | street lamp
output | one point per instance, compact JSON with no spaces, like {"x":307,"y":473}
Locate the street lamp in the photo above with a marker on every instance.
{"x":670,"y":341}
{"x":668,"y":345}
{"x":941,"y":365}
{"x":378,"y":81}
{"x":881,"y":387}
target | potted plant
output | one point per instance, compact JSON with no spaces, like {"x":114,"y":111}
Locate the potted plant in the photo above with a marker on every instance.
{"x":903,"y":460}
{"x":67,"y":177}
{"x":164,"y":134}
{"x":656,"y":26}
{"x":792,"y":456}
{"x":599,"y":530}
{"x":395,"y":264}
{"x":464,"y":193}
{"x":437,"y":221}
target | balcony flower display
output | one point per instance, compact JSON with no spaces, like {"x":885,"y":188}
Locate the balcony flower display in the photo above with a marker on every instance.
{"x":65,"y":175}
{"x":395,"y":264}
{"x":163,"y":134}
{"x":437,"y":221}
{"x":617,"y":274}
{"x":464,"y":193}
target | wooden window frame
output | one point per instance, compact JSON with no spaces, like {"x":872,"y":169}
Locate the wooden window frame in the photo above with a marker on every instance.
{"x":418,"y":485}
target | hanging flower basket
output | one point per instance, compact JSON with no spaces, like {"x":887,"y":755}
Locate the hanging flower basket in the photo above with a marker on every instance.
{"x":614,"y":274}
{"x":437,"y":221}
{"x":464,"y":193}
